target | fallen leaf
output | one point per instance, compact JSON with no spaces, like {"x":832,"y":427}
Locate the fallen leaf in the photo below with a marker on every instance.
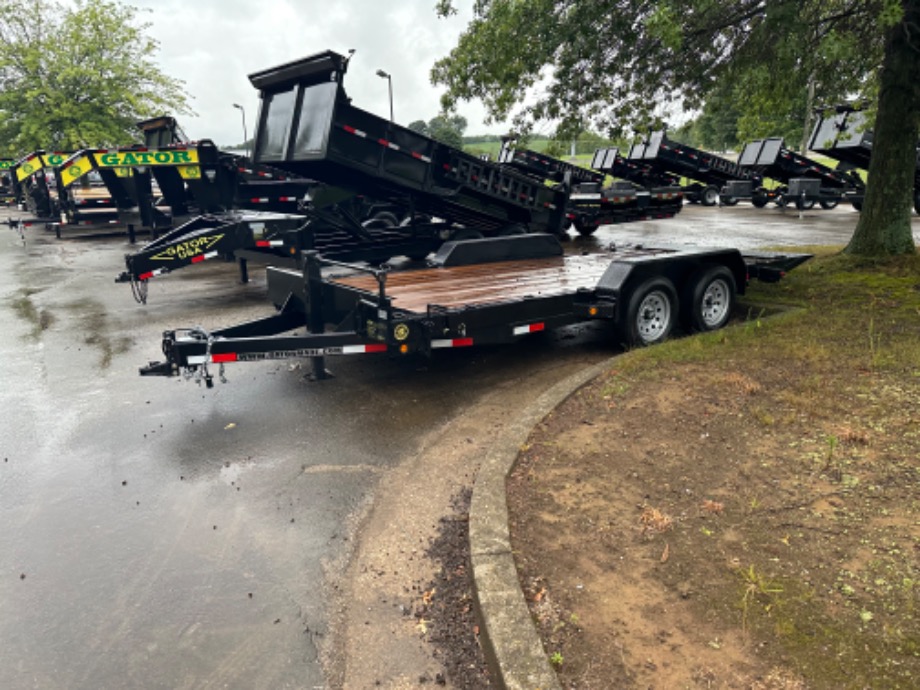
{"x":231,"y":425}
{"x":666,"y":553}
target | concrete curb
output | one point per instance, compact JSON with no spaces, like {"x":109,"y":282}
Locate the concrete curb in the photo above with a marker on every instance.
{"x":510,"y":640}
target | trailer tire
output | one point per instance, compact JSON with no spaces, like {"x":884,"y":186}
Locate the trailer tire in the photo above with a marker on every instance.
{"x":804,"y":204}
{"x":651,"y":310}
{"x":759,"y":200}
{"x":708,"y":299}
{"x":729,"y":201}
{"x":828,"y":204}
{"x":709,"y":196}
{"x":583,"y":228}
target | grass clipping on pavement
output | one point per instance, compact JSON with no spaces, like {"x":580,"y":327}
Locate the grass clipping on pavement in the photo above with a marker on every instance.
{"x":764,"y":478}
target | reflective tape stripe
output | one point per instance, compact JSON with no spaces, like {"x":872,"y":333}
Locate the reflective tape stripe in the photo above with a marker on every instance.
{"x":269,"y":243}
{"x":259,"y":200}
{"x":452,"y":342}
{"x":287,"y":198}
{"x":203,"y":257}
{"x":226,"y":357}
{"x":362,"y":349}
{"x":151,"y":274}
{"x":530,"y":328}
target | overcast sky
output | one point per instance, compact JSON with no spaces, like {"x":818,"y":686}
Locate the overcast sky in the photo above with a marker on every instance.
{"x":212,"y":45}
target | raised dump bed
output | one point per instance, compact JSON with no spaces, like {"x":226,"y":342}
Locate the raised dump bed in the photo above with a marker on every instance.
{"x":803,"y":181}
{"x":844,"y":135}
{"x":608,"y":160}
{"x":478,"y":292}
{"x":709,"y":173}
{"x":591,"y":203}
{"x":308,"y":126}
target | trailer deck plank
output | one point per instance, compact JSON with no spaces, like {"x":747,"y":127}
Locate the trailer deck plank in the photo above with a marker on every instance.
{"x":489,"y":283}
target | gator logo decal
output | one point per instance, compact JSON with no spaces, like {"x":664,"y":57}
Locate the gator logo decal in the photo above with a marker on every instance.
{"x":113,"y":159}
{"x":77,"y":169}
{"x":187,"y":249}
{"x":6,"y":164}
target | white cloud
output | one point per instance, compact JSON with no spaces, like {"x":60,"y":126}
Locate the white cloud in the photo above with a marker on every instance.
{"x":212,"y":45}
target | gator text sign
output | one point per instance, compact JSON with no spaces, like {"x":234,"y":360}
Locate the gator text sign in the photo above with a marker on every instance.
{"x":132,"y":158}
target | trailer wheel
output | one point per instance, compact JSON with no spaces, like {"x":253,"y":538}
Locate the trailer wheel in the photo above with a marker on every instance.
{"x":709,"y":299}
{"x":709,"y":196}
{"x":804,"y":204}
{"x":583,"y":228}
{"x":759,"y":200}
{"x":729,"y":201}
{"x":650,"y":313}
{"x":828,"y":204}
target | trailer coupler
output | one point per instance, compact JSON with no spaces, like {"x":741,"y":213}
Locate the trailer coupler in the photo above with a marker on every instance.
{"x":159,"y":369}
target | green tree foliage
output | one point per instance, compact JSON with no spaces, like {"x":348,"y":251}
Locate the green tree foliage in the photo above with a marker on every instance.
{"x":620,"y":64}
{"x":78,"y":76}
{"x":444,"y":127}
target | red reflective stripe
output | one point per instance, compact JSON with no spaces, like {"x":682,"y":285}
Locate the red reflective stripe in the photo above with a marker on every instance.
{"x":220,"y":359}
{"x":198,"y":259}
{"x":462,"y":342}
{"x":146,"y":276}
{"x":383,"y":142}
{"x":375,"y":348}
{"x":536,"y":327}
{"x":349,"y":129}
{"x":263,"y":243}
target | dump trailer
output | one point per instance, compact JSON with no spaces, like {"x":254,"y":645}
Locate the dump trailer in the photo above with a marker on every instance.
{"x":709,"y":173}
{"x":476,"y":292}
{"x":309,"y":131}
{"x":844,"y":135}
{"x":609,"y":161}
{"x":804,"y":181}
{"x":591,"y":203}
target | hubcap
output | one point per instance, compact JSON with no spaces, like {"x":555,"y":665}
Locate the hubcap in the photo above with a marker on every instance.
{"x":654,"y":316}
{"x":715,"y":303}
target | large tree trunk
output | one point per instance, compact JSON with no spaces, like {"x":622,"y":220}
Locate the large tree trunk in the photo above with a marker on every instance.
{"x":885,"y":224}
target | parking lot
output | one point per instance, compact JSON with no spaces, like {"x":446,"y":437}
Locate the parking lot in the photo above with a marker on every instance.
{"x":161,"y":534}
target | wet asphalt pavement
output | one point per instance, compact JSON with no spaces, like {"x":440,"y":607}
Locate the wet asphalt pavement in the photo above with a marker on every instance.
{"x":157,"y":534}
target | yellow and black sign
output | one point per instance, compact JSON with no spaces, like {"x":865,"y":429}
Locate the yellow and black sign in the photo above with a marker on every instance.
{"x":114,"y":159}
{"x":28,"y":167}
{"x":77,"y":169}
{"x":187,"y":249}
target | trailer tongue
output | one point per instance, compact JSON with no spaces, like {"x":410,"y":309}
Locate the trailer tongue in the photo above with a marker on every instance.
{"x":480,"y":292}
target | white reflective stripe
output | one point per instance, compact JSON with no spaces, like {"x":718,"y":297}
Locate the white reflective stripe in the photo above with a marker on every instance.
{"x":197,"y":359}
{"x":393,"y":146}
{"x":441,"y":343}
{"x":354,"y":349}
{"x":529,"y":328}
{"x":210,"y":255}
{"x":577,"y":197}
{"x":260,"y":200}
{"x":521,"y":330}
{"x":288,"y":198}
{"x":360,"y":133}
{"x":276,"y":243}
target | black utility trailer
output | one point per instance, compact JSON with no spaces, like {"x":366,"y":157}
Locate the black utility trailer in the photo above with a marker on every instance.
{"x":591,"y":203}
{"x":477,"y":292}
{"x":709,"y":172}
{"x":844,"y":135}
{"x":7,"y":195}
{"x":803,"y":181}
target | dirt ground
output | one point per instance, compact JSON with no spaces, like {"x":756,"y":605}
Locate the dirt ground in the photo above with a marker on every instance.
{"x":712,"y":526}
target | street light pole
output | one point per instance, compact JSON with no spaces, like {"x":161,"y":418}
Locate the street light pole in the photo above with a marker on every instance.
{"x":245,"y":137}
{"x":385,"y":75}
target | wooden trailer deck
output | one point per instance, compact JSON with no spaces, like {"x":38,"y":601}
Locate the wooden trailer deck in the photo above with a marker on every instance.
{"x":491,"y":283}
